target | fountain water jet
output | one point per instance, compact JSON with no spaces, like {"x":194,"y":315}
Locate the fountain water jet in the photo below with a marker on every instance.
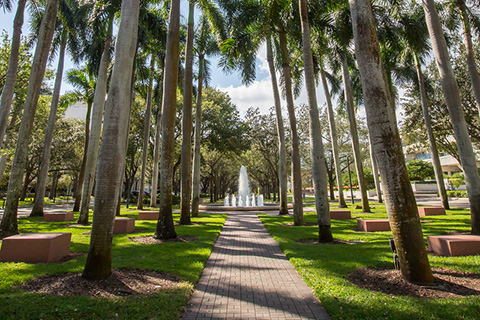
{"x":243,"y":188}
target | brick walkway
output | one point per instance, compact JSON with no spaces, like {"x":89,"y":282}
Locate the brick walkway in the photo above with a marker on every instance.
{"x":249,"y":277}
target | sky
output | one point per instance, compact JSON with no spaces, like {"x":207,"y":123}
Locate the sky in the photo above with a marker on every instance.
{"x":258,"y":94}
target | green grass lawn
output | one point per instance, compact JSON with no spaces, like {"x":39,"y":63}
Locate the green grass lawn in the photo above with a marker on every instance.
{"x":185,"y":260}
{"x":325,"y":268}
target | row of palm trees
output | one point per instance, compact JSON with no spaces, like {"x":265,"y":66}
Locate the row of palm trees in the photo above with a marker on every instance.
{"x":300,"y":39}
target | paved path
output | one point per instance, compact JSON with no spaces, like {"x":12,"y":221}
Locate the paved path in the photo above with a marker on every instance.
{"x":249,"y":277}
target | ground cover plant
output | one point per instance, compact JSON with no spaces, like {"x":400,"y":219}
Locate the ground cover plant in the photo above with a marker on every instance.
{"x":183,"y":261}
{"x":326,"y":268}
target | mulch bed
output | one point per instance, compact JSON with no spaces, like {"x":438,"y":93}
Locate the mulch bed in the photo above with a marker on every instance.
{"x":122,"y":282}
{"x":152,"y":240}
{"x":192,"y":224}
{"x":335,"y":241}
{"x":134,"y":231}
{"x":448,"y":283}
{"x":305,"y":224}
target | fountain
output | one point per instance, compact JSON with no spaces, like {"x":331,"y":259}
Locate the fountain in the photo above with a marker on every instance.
{"x":243,"y":188}
{"x":244,"y":200}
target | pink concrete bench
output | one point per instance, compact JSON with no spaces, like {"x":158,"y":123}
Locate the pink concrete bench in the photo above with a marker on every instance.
{"x":340,"y":214}
{"x":123,"y":225}
{"x":454,"y":245}
{"x":35,"y":247}
{"x":431,"y":211}
{"x":148,"y":215}
{"x":58,"y":216}
{"x":369,"y":225}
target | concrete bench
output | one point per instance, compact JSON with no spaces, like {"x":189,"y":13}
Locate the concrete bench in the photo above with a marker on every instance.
{"x":123,"y":225}
{"x":58,"y":216}
{"x":431,"y":211}
{"x":148,"y":215}
{"x":454,"y":245}
{"x":35,"y":247}
{"x":340,"y":214}
{"x":369,"y":225}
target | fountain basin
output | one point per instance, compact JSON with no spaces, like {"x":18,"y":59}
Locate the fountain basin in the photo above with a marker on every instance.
{"x":230,"y":208}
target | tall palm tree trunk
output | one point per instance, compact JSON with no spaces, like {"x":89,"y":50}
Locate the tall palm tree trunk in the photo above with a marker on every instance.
{"x":186,"y":165}
{"x":376,"y":178}
{"x":319,"y":172}
{"x":296,"y":167}
{"x":471,"y":63}
{"x":282,"y":148}
{"x":111,"y":158}
{"x":8,"y":225}
{"x":197,"y":138}
{"x":156,"y":158}
{"x":387,"y":148}
{"x":333,"y":137}
{"x":455,"y":109}
{"x":81,"y":174}
{"x":431,"y":138}
{"x":42,"y":178}
{"x":354,"y":134}
{"x":146,"y":134}
{"x":165,"y":228}
{"x":11,"y":75}
{"x":97,"y":117}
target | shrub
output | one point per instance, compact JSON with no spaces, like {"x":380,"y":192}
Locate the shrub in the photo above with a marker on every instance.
{"x":457,"y":194}
{"x":420,"y":170}
{"x":456,"y":179}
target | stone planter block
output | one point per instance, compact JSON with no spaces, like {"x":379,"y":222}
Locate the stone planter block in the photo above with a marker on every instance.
{"x":431,"y":211}
{"x":340,"y":214}
{"x":58,"y":216}
{"x":454,"y":245}
{"x":35,"y":247}
{"x":123,"y":225}
{"x":369,"y":225}
{"x":148,"y":215}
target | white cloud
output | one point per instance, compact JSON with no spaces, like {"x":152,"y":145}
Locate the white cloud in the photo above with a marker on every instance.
{"x":258,"y":95}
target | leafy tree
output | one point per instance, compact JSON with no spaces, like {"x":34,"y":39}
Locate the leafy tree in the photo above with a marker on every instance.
{"x":419,"y":170}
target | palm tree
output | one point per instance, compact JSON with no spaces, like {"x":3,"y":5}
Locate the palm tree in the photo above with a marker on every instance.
{"x":316,"y":146}
{"x":282,"y":149}
{"x":347,"y":88}
{"x":376,"y":179}
{"x":186,"y":157}
{"x":83,"y":81}
{"x":296,"y":167}
{"x":414,"y":32}
{"x":454,"y":105}
{"x":67,"y":32}
{"x":112,"y":150}
{"x":156,"y":150}
{"x":333,"y":137}
{"x":165,"y":228}
{"x":471,"y":63}
{"x":239,"y":52}
{"x":151,"y":39}
{"x":387,"y":147}
{"x":146,"y":133}
{"x":97,"y":117}
{"x":8,"y":225}
{"x":205,"y":45}
{"x":342,"y":37}
{"x":11,"y":76}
